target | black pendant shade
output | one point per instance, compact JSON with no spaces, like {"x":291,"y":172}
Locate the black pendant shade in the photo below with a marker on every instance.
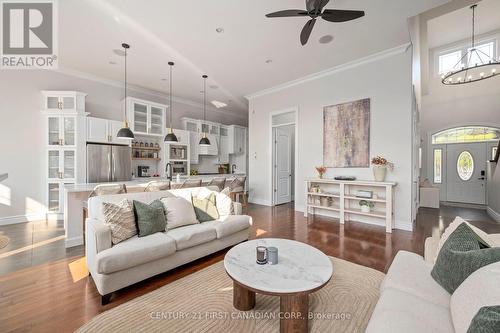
{"x":204,"y":140}
{"x":170,"y":137}
{"x":125,"y":132}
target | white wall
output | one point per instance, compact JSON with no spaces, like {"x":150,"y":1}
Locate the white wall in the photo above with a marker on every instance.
{"x":386,"y":80}
{"x":21,"y":129}
{"x":494,"y":190}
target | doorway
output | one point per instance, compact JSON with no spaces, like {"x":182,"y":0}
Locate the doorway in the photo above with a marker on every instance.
{"x":283,"y":157}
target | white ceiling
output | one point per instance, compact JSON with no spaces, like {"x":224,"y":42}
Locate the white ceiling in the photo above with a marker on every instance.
{"x":457,"y":25}
{"x":235,"y":60}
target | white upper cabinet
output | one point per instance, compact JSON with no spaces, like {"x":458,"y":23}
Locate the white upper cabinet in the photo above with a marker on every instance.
{"x":63,"y":100}
{"x":146,"y":118}
{"x":194,"y":138}
{"x":104,"y":131}
{"x":237,"y":139}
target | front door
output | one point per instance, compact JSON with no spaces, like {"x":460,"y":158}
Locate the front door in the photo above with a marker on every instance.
{"x":466,"y":173}
{"x":283,"y":165}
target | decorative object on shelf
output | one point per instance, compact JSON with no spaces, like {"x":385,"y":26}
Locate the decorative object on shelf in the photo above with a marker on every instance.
{"x":364,"y":194}
{"x":380,"y":166}
{"x":348,"y":178}
{"x":314,"y":189}
{"x":321,"y":171}
{"x":323,"y":201}
{"x":272,"y":255}
{"x":346,"y":135}
{"x":170,"y":137}
{"x":261,"y":252}
{"x":204,"y":140}
{"x":478,"y":65}
{"x":330,"y":201}
{"x":366,"y":206}
{"x":125,"y":132}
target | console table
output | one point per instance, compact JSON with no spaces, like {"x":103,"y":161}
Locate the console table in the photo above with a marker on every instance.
{"x":341,"y":197}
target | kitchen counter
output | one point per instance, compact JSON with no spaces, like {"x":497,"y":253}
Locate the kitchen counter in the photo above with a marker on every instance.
{"x":76,"y":194}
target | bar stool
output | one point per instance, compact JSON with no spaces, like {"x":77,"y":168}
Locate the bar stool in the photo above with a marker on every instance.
{"x":237,"y":189}
{"x":188,"y":183}
{"x":219,"y":182}
{"x":156,"y":186}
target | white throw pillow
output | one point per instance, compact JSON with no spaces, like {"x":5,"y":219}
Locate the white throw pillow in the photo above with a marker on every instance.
{"x":179,"y":212}
{"x":224,"y":203}
{"x":454,"y":225}
{"x":480,"y":289}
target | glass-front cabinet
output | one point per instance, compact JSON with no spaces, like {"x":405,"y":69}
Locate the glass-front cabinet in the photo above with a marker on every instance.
{"x":61,"y":130}
{"x":63,"y":100}
{"x":157,"y":120}
{"x":146,"y":118}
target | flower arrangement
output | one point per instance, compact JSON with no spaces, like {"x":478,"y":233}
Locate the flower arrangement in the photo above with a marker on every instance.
{"x":366,"y":206}
{"x":381,"y":161}
{"x":321,"y":171}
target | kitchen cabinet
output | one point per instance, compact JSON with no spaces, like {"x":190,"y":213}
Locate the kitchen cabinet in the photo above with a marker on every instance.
{"x":194,"y":138}
{"x":61,"y":130}
{"x":213,"y":149}
{"x":223,"y":145}
{"x":146,"y":118}
{"x":237,"y":139}
{"x":63,"y":100}
{"x":104,"y":131}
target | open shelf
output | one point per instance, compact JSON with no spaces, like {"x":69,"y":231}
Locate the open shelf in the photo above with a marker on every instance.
{"x":332,"y":208}
{"x":366,"y":199}
{"x":329,"y":195}
{"x":359,"y":212}
{"x":146,"y":148}
{"x":146,"y":159}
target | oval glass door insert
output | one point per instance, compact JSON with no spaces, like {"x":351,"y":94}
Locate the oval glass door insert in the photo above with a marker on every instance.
{"x":465,"y":166}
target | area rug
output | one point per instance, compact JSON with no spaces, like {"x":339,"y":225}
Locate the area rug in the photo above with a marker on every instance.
{"x":202,"y":302}
{"x":4,"y":240}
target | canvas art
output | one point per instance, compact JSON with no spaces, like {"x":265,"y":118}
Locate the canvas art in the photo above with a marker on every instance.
{"x":346,"y":135}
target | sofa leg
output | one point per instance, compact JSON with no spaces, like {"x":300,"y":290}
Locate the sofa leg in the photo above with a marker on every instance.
{"x":105,"y":299}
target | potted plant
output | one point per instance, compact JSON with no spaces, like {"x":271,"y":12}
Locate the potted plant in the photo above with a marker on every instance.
{"x":366,"y":206}
{"x":380,"y":166}
{"x":321,"y":171}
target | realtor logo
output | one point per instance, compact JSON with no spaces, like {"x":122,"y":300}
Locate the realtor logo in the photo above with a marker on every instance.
{"x":29,"y":37}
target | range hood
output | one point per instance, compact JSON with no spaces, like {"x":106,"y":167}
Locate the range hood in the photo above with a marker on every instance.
{"x":213,"y":149}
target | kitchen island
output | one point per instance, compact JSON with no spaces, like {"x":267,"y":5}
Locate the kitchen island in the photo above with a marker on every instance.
{"x":76,"y":194}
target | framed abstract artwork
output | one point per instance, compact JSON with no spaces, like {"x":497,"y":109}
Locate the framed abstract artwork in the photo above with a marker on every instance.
{"x":346,"y":135}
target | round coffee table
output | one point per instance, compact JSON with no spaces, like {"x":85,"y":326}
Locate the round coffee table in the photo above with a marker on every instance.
{"x":301,"y":270}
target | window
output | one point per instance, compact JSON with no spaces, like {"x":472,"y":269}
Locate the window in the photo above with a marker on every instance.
{"x":453,"y":60}
{"x":484,"y":53}
{"x":438,"y":165}
{"x":448,"y":61}
{"x":466,"y":134}
{"x":465,"y":165}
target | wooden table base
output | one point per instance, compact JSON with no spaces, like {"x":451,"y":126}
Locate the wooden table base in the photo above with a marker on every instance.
{"x":243,"y":299}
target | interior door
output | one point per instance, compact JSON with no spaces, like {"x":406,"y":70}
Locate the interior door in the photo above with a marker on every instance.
{"x":283,"y":165}
{"x":466,"y":173}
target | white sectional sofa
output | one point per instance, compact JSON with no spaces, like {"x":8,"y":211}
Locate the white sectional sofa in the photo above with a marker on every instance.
{"x":138,"y":258}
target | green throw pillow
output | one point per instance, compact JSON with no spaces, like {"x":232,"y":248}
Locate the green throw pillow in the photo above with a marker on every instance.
{"x":461,"y":255}
{"x":205,"y":209}
{"x":150,"y":218}
{"x":487,"y":320}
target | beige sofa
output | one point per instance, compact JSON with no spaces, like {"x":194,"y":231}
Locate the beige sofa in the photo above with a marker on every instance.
{"x":412,"y":302}
{"x":138,"y":258}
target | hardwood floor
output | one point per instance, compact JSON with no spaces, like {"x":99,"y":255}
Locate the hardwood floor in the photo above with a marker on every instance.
{"x":46,"y":297}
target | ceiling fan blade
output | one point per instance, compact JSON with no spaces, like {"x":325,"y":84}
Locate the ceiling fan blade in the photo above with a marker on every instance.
{"x":288,"y":13}
{"x":306,"y":31}
{"x":335,"y":15}
{"x":316,"y":5}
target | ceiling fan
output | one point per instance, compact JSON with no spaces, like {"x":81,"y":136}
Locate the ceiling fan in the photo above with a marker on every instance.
{"x":314,"y":9}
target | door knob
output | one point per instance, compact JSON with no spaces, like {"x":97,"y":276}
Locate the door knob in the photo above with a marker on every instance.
{"x":481,"y":178}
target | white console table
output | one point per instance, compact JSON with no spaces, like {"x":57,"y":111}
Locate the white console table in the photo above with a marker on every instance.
{"x":343,"y":194}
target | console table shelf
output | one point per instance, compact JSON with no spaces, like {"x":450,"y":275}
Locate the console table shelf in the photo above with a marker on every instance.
{"x":342,"y":194}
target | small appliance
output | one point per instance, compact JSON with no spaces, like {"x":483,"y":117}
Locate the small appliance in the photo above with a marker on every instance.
{"x":142,"y":171}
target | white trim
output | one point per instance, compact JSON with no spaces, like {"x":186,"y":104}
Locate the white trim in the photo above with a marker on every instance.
{"x":494,"y":215}
{"x":74,"y":241}
{"x":340,"y":68}
{"x":22,"y":218}
{"x":259,"y":201}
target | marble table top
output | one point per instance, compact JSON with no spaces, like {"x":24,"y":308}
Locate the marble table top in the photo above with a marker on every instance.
{"x":300,"y":267}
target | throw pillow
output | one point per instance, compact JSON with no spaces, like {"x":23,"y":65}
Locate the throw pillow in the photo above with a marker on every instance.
{"x":179,"y":212}
{"x":487,"y":320}
{"x":205,"y":209}
{"x":150,"y":218}
{"x":120,"y":219}
{"x":224,"y":202}
{"x":462,"y":254}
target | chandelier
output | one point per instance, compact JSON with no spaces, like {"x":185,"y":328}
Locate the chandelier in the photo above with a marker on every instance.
{"x":474,"y":66}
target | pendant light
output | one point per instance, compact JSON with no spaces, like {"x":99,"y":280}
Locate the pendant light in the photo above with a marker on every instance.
{"x":204,"y":140}
{"x":474,"y":66}
{"x":125,"y":132}
{"x":170,"y":137}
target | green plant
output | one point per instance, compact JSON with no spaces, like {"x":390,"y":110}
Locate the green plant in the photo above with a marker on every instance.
{"x":366,"y":203}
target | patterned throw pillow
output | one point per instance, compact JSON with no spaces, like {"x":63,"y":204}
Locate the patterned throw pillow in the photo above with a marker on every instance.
{"x":487,"y":320}
{"x":461,"y":255}
{"x":121,"y":220}
{"x":205,"y":209}
{"x":224,"y":202}
{"x":150,"y":218}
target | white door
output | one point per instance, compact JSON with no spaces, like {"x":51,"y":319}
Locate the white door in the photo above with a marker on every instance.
{"x":466,"y":173}
{"x":283,"y":165}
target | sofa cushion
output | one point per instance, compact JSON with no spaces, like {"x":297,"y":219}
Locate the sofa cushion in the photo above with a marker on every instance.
{"x":205,"y":208}
{"x":480,"y":289}
{"x":487,"y":320}
{"x":410,"y":273}
{"x":120,"y":219}
{"x":229,"y":225}
{"x":133,"y":252}
{"x":397,"y":311}
{"x":150,"y":218}
{"x":179,"y":212}
{"x":192,"y":235}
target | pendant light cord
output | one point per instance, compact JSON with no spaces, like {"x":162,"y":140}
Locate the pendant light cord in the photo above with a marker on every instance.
{"x":473,"y":26}
{"x":171,"y":110}
{"x":125,"y":99}
{"x":204,"y":99}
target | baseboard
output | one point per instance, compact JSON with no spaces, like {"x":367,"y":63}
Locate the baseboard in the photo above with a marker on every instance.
{"x":22,"y":218}
{"x":462,"y":205}
{"x":494,"y":215}
{"x":403,"y":225}
{"x":75,"y":241}
{"x":259,"y":201}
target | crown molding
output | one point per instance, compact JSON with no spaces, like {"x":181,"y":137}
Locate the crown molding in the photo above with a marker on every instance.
{"x":146,"y":91}
{"x":337,"y":69}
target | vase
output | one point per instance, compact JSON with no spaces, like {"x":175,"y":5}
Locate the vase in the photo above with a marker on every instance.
{"x":379,"y":172}
{"x":365,"y":209}
{"x":320,"y":176}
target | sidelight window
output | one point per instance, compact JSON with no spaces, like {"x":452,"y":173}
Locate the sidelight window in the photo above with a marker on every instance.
{"x":438,"y":166}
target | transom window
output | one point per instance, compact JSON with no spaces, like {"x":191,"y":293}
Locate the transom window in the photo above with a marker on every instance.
{"x":465,"y":165}
{"x":466,"y":134}
{"x":453,"y":60}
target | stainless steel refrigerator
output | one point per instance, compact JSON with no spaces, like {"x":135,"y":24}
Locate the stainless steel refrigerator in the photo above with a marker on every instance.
{"x":108,"y":163}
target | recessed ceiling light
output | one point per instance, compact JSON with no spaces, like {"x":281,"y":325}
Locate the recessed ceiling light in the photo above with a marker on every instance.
{"x":218,"y":104}
{"x":213,"y":86}
{"x":326,"y":39}
{"x":112,"y":63}
{"x":119,"y":52}
{"x":219,"y":30}
{"x":268,"y":61}
{"x":117,"y":19}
